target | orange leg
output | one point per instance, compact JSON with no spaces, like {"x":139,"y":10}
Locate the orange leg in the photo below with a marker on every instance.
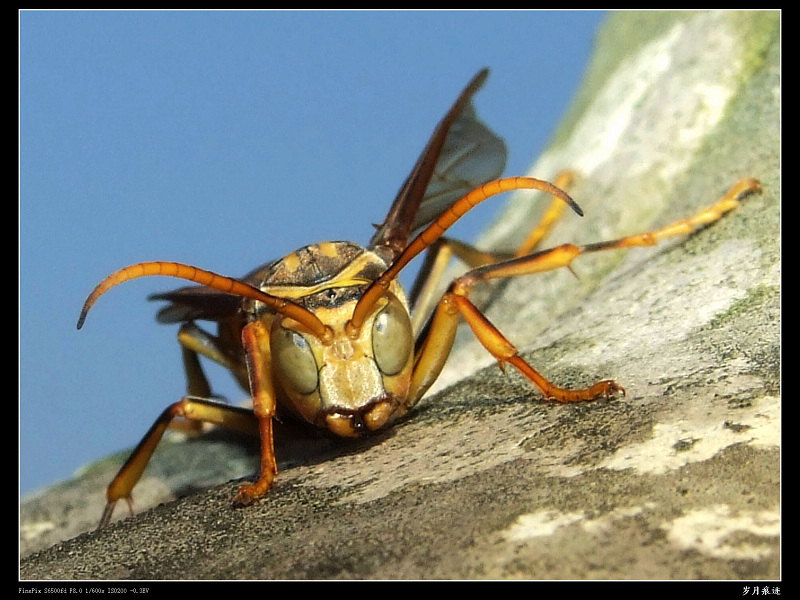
{"x":196,"y":342}
{"x":438,"y":338}
{"x":562,"y":256}
{"x":193,"y":409}
{"x":255,"y":339}
{"x":712,"y":213}
{"x":423,"y":295}
{"x":505,"y":352}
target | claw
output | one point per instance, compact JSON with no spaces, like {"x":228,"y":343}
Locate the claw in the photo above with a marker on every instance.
{"x":611,"y":388}
{"x":244,"y":497}
{"x":251,"y":492}
{"x":108,"y":511}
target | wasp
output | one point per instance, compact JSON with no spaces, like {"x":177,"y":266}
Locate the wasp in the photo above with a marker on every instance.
{"x":326,"y":334}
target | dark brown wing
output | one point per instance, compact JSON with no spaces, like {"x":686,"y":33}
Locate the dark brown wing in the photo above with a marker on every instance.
{"x":201,"y":303}
{"x":461,"y":155}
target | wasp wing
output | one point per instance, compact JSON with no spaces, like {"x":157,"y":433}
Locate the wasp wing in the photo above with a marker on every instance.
{"x":462,"y":154}
{"x":472,"y":155}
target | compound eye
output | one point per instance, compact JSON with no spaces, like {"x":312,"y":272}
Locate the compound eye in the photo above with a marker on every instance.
{"x":294,"y":359}
{"x":392,"y":339}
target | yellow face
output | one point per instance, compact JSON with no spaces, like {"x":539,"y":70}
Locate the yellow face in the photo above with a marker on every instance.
{"x":356,"y":383}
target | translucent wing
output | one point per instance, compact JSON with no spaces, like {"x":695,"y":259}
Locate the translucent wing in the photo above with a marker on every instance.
{"x":472,"y":155}
{"x":461,"y":155}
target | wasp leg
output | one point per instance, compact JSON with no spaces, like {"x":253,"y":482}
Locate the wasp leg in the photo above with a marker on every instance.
{"x":505,"y":352}
{"x":432,"y":349}
{"x":436,"y":345}
{"x":423,"y":294}
{"x":255,"y":339}
{"x":438,"y":339}
{"x":712,"y":213}
{"x":562,"y":256}
{"x":196,"y":409}
{"x":196,"y":342}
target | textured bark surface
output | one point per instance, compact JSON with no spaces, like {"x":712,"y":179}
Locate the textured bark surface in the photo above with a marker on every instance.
{"x":680,"y":479}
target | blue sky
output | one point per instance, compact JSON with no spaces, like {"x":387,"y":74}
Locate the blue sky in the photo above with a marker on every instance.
{"x":226,"y":139}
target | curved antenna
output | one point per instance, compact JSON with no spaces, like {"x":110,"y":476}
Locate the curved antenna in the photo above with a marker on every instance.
{"x":435,"y":230}
{"x":222,"y":283}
